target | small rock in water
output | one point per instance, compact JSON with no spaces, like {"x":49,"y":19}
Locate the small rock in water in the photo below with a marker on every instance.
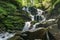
{"x":3,"y":37}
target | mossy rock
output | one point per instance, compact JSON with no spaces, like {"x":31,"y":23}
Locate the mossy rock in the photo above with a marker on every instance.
{"x":17,"y":36}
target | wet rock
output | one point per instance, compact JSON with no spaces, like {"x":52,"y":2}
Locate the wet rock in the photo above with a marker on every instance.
{"x":35,"y":35}
{"x":50,"y":36}
{"x":57,"y":36}
{"x":33,"y":10}
{"x":17,"y":36}
{"x":29,"y":35}
{"x":42,"y":25}
{"x":58,"y":23}
{"x":3,"y":37}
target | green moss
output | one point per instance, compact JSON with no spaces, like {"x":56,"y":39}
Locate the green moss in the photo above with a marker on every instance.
{"x":10,"y":16}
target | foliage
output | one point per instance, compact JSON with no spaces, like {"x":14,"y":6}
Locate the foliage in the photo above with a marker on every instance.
{"x":47,"y":4}
{"x":10,"y":17}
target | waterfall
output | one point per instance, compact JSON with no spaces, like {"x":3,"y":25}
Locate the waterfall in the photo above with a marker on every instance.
{"x":27,"y":10}
{"x":40,"y":21}
{"x":39,"y":17}
{"x":40,"y":14}
{"x":28,"y":24}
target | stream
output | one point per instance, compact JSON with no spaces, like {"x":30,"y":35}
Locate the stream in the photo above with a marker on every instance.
{"x":37,"y":17}
{"x":6,"y":35}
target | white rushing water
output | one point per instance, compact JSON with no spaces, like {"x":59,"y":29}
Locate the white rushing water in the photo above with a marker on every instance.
{"x":28,"y":24}
{"x":40,"y":21}
{"x":27,"y":10}
{"x":5,"y":36}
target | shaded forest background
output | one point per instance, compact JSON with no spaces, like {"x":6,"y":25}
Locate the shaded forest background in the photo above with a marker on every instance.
{"x":12,"y":17}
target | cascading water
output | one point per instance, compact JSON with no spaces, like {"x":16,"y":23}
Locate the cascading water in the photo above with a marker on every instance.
{"x":28,"y":24}
{"x":27,"y":10}
{"x":38,"y":17}
{"x":6,"y":36}
{"x":40,"y":21}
